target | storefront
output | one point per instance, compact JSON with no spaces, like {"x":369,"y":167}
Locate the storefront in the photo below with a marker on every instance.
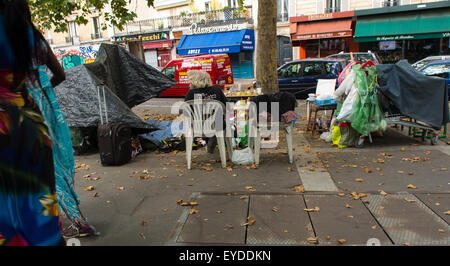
{"x":323,"y":34}
{"x":154,"y":48}
{"x":238,"y":44}
{"x":409,"y":32}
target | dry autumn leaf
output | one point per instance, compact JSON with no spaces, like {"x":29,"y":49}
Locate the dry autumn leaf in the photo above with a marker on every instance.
{"x":312,"y":240}
{"x":315,"y":209}
{"x":359,"y":180}
{"x":342,"y":241}
{"x":144,"y":223}
{"x":95,"y":195}
{"x":250,"y":188}
{"x":193,"y":211}
{"x":382,"y":193}
{"x":367,"y":170}
{"x":348,"y":206}
{"x":275,"y":209}
{"x":411,"y":186}
{"x":121,"y":188}
{"x":299,"y":188}
{"x":447,"y":213}
{"x":89,"y":188}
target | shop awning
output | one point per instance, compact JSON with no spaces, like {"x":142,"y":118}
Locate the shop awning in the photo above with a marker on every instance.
{"x":323,"y":30}
{"x":408,"y":26}
{"x":216,"y":43}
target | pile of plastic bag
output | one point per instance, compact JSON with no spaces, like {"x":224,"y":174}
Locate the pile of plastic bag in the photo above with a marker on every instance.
{"x":358,"y":112}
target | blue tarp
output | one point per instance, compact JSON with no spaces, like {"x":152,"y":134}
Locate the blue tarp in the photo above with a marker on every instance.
{"x":217,"y":43}
{"x":167,"y":129}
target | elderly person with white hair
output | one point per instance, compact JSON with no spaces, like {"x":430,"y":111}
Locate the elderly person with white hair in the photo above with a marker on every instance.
{"x":200,"y":84}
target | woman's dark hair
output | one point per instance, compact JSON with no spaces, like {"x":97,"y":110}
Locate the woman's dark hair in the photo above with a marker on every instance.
{"x":18,"y":24}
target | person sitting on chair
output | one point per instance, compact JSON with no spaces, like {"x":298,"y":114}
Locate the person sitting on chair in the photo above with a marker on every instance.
{"x":201,"y":85}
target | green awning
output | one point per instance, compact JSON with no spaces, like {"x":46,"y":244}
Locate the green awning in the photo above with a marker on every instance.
{"x":407,"y":26}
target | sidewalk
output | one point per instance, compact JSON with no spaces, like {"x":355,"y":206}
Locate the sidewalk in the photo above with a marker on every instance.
{"x":327,"y":197}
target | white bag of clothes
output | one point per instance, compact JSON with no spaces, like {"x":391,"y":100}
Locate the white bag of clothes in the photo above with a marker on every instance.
{"x":244,"y":156}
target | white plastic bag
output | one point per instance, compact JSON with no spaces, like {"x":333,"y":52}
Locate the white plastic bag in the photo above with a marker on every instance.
{"x":326,"y":136}
{"x":244,"y":156}
{"x":348,"y":107}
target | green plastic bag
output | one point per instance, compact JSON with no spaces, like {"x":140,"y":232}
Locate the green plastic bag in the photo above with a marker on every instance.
{"x":368,"y":116}
{"x":243,"y":138}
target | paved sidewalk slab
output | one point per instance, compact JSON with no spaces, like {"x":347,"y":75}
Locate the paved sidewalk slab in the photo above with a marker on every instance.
{"x":280,"y":220}
{"x":343,"y":218}
{"x":218,"y":221}
{"x":408,"y":221}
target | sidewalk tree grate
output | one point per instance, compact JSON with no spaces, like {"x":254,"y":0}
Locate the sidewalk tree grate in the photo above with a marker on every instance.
{"x":408,"y":221}
{"x":439,"y":203}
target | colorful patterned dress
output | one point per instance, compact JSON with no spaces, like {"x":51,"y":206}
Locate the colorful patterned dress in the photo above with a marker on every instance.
{"x":63,"y":158}
{"x":28,"y":203}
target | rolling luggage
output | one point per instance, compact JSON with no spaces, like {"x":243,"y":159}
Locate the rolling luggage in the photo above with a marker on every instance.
{"x":114,"y":139}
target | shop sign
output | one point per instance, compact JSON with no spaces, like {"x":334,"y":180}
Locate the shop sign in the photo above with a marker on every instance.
{"x":157,"y":36}
{"x":322,"y":35}
{"x":196,"y":29}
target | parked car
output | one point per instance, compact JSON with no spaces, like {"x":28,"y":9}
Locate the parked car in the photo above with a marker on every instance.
{"x":360,"y":56}
{"x":439,"y":69}
{"x":218,"y":67}
{"x":422,"y":63}
{"x":300,"y":77}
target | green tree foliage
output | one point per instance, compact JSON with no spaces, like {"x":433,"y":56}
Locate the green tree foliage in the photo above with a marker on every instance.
{"x":53,"y":13}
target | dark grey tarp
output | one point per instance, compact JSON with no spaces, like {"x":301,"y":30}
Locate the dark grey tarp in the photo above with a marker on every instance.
{"x":131,"y":79}
{"x":418,"y":96}
{"x":78,"y":99}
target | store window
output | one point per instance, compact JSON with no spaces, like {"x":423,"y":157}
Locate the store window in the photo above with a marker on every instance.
{"x":282,"y":10}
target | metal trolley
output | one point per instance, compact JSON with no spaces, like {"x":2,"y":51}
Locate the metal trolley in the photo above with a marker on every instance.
{"x":402,"y":120}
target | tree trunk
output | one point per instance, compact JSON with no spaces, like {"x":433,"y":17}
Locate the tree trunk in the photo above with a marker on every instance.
{"x":266,"y":54}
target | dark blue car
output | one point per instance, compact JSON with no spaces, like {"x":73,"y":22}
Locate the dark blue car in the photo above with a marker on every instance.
{"x":300,"y":77}
{"x":439,"y":69}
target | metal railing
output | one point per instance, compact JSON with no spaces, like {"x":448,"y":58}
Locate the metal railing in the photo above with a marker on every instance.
{"x":209,"y":18}
{"x":332,"y":9}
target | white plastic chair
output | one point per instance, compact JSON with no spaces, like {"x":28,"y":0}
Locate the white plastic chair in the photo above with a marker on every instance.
{"x":200,"y":119}
{"x":256,"y":128}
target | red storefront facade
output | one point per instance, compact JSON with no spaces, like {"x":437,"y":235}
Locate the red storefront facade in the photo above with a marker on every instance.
{"x":323,"y":34}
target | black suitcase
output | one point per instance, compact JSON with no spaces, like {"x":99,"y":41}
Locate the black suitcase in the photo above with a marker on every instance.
{"x":114,"y":139}
{"x":114,"y":143}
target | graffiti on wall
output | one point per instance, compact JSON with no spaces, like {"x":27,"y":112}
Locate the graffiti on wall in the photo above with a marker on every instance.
{"x":77,"y":56}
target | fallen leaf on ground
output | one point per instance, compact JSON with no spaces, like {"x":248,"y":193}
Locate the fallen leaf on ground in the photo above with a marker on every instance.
{"x":328,"y":237}
{"x":193,"y":203}
{"x":250,"y":188}
{"x":374,"y":227}
{"x":381,"y":207}
{"x":229,"y":169}
{"x":289,"y":169}
{"x":275,"y":209}
{"x":179,"y":201}
{"x":89,"y":188}
{"x":208,"y":168}
{"x":441,"y":230}
{"x":218,"y":212}
{"x":447,"y":213}
{"x":299,"y":188}
{"x":402,"y":149}
{"x":142,"y":235}
{"x":95,"y":194}
{"x":444,"y":169}
{"x":193,"y":211}
{"x":382,"y":193}
{"x":411,"y":186}
{"x":234,"y":175}
{"x":144,"y":223}
{"x":351,"y":216}
{"x":359,"y":180}
{"x":400,"y":172}
{"x":315,"y":209}
{"x":228,"y":226}
{"x":342,"y":241}
{"x":410,"y":201}
{"x":378,"y":169}
{"x":348,"y":206}
{"x":121,"y":188}
{"x":341,"y":194}
{"x":368,"y":170}
{"x":312,"y":240}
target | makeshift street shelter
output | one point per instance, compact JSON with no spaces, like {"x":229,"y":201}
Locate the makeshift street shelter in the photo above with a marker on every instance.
{"x":128,"y":77}
{"x":127,"y":82}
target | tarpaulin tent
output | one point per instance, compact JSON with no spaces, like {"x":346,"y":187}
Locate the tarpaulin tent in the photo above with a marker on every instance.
{"x":415,"y":95}
{"x":78,"y":98}
{"x":132,"y":80}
